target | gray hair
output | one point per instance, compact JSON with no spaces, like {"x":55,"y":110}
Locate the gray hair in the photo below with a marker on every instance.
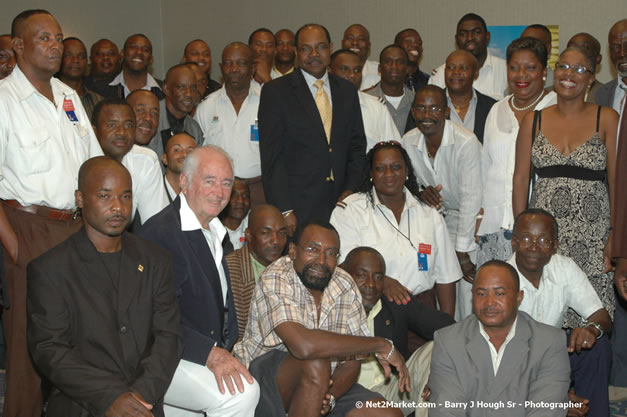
{"x":191,"y":162}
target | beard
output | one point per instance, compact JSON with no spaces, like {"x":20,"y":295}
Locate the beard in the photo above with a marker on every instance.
{"x":312,"y":282}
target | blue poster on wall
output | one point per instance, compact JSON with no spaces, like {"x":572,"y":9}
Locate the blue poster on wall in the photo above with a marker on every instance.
{"x":502,"y":36}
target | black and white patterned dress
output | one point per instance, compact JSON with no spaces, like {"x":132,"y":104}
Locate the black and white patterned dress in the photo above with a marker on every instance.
{"x":582,"y":210}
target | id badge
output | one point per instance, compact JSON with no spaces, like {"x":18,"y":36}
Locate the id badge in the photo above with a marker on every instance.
{"x":69,"y":109}
{"x":254,"y":132}
{"x":423,"y":264}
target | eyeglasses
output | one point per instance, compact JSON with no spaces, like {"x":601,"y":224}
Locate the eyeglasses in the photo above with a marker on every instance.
{"x":431,"y":109}
{"x":306,"y":49}
{"x":579,"y":69}
{"x":388,"y":142}
{"x":316,"y":251}
{"x":526,"y":242}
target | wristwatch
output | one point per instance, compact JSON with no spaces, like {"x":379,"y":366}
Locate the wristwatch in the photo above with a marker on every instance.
{"x":596,"y":326}
{"x":331,"y":402}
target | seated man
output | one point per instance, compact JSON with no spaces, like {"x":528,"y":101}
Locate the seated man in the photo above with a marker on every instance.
{"x":103,"y":323}
{"x":113,"y":121}
{"x":235,"y":215}
{"x":498,"y":361}
{"x":191,"y":230}
{"x":468,"y":107}
{"x":447,"y":160}
{"x":266,"y":236}
{"x":176,"y":150}
{"x":552,"y":284}
{"x":307,"y":327}
{"x":390,"y":320}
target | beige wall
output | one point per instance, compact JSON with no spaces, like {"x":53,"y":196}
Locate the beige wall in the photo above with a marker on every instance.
{"x":171,"y":23}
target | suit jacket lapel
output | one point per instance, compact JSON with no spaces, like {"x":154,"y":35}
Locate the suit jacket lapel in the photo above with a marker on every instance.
{"x":516,"y":352}
{"x":199,"y":247}
{"x":338,"y":105}
{"x":131,"y":275}
{"x":479,"y":352}
{"x":304,"y":97}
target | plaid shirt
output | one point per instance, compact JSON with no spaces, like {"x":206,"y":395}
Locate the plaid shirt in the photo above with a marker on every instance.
{"x":281,"y":297}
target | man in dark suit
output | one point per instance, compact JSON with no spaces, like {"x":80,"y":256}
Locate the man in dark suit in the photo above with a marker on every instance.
{"x":612,"y":93}
{"x":191,"y":230}
{"x":469,"y":107}
{"x":312,"y":141}
{"x":103,"y":324}
{"x":392,"y":321}
{"x":498,"y":361}
{"x":266,"y":237}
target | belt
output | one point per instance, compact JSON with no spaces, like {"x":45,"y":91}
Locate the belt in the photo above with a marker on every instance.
{"x":570,"y":171}
{"x":253,"y":180}
{"x":43,"y":211}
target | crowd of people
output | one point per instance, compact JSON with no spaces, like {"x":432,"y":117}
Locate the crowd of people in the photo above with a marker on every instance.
{"x":316,"y":233}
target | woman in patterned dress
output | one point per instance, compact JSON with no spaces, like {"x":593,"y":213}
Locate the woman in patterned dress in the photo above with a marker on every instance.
{"x":571,"y":148}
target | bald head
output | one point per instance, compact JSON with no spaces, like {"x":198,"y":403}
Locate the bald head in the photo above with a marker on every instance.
{"x":237,"y":66}
{"x":618,"y":47}
{"x":266,"y":235}
{"x":180,"y":88}
{"x":97,"y":163}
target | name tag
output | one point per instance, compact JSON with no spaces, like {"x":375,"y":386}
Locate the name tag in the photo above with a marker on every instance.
{"x":424,"y":248}
{"x":423,"y":264}
{"x":70,"y":111}
{"x":254,"y":132}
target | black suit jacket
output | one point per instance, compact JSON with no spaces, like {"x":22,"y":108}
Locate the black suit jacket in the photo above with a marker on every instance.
{"x":95,"y":342}
{"x":197,"y":284}
{"x":296,"y":159}
{"x":605,"y":94}
{"x":484,"y":104}
{"x":394,"y":321}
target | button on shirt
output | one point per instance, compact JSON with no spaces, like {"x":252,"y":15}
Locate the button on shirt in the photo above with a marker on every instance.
{"x":236,"y":133}
{"x":362,"y":224}
{"x":41,"y":149}
{"x":562,"y":285}
{"x":150,"y":83}
{"x":149,"y":196}
{"x":281,"y":297}
{"x":492,"y":80}
{"x":214,"y":237}
{"x":378,"y":123}
{"x":497,"y":164}
{"x":457,"y":166}
{"x":494,"y":355}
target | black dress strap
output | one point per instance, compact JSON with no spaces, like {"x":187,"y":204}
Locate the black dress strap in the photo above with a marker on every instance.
{"x":598,"y":117}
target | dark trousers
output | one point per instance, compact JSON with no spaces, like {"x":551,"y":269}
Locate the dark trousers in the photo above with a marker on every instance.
{"x":590,"y":372}
{"x":35,"y":235}
{"x":618,"y":376}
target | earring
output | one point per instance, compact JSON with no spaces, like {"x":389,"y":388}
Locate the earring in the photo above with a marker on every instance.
{"x":544,"y":78}
{"x":406,"y":177}
{"x":371,"y":179}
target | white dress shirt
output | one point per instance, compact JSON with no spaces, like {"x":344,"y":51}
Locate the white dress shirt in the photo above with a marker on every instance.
{"x":150,"y":83}
{"x":169,"y":189}
{"x":492,"y":80}
{"x":275,"y":73}
{"x":494,"y":355}
{"x":236,"y":133}
{"x":497,"y":165}
{"x":457,"y":166}
{"x":378,"y":123}
{"x":310,"y":80}
{"x":149,"y":196}
{"x":469,"y":120}
{"x":213,"y":235}
{"x":41,"y":149}
{"x":562,"y":285}
{"x":369,"y":75}
{"x":362,"y":224}
{"x":619,"y":96}
{"x":237,"y":236}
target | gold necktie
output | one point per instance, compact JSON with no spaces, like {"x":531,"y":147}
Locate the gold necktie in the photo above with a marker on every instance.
{"x":324,"y":108}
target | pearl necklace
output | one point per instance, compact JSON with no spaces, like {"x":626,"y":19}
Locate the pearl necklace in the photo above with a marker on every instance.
{"x":536,"y":101}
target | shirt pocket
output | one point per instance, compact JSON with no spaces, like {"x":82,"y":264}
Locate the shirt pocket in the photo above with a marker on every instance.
{"x":34,"y":152}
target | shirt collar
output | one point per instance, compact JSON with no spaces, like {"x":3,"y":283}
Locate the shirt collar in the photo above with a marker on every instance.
{"x":376,"y":309}
{"x":410,"y":200}
{"x":418,"y":139}
{"x":510,"y":334}
{"x":25,"y":88}
{"x":189,"y":221}
{"x":150,"y":81}
{"x":472,"y":100}
{"x":310,"y":79}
